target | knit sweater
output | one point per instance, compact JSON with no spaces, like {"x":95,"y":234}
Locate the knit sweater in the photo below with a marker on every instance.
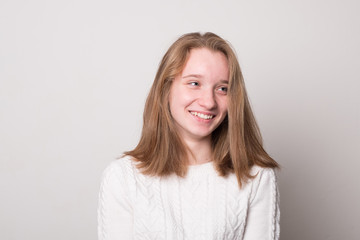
{"x":203,"y":205}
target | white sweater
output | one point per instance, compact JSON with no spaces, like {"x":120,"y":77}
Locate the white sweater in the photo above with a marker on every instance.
{"x":202,"y":205}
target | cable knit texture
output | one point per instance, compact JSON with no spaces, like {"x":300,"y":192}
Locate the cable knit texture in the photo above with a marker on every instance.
{"x":200,"y":206}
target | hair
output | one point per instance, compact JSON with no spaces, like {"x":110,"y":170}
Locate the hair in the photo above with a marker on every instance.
{"x":236,"y":142}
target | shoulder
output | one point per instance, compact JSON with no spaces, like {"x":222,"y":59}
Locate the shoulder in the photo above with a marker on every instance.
{"x":264,"y":180}
{"x":262,"y":172}
{"x":120,"y":171}
{"x":124,"y":165}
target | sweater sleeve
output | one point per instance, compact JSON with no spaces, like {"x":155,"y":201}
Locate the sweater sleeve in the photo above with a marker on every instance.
{"x":263,"y":221}
{"x":115,"y":217}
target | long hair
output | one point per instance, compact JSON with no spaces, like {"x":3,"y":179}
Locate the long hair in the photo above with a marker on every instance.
{"x":236,"y":142}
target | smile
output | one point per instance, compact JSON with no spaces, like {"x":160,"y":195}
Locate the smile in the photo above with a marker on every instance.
{"x":202,"y":116}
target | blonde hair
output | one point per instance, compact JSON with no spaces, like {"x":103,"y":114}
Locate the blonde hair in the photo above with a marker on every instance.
{"x":236,"y":143}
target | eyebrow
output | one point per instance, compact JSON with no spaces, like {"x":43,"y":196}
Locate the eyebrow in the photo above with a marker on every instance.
{"x":193,"y":75}
{"x":200,"y":76}
{"x":224,"y":81}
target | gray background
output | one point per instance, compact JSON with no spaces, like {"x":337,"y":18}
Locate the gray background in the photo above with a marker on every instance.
{"x":74,"y":75}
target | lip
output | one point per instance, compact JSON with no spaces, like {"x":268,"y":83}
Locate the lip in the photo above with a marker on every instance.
{"x":202,"y":113}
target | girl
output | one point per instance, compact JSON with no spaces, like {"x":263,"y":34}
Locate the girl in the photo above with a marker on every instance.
{"x":199,"y":170}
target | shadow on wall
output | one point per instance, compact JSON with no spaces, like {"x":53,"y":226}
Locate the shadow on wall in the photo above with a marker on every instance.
{"x":317,"y":199}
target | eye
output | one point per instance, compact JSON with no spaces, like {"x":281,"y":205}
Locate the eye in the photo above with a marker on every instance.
{"x":223,"y":89}
{"x":193,"y":83}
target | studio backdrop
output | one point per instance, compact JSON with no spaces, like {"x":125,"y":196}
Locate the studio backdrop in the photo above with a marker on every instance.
{"x":74,"y":76}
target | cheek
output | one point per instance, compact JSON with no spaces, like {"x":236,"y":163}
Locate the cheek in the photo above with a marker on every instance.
{"x":180,"y":97}
{"x":226,"y":106}
{"x":175,"y":101}
{"x":171,"y":104}
{"x":172,"y":97}
{"x":223,"y":104}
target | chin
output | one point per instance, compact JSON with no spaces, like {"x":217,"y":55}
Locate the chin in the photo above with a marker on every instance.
{"x":202,"y":135}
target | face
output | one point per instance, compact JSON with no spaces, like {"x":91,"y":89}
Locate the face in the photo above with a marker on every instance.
{"x":198,"y":96}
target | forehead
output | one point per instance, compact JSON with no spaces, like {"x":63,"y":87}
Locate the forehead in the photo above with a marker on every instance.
{"x":204,"y":61}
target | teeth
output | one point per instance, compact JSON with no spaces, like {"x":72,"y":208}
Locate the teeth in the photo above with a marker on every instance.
{"x":203,"y":116}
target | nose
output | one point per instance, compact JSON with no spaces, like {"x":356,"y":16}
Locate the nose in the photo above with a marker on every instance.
{"x":207,"y":99}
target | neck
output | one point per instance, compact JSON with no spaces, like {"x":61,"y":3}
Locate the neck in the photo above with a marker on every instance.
{"x":199,"y":150}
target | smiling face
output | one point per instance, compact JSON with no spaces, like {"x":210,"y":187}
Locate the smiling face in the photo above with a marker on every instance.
{"x":198,"y":95}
